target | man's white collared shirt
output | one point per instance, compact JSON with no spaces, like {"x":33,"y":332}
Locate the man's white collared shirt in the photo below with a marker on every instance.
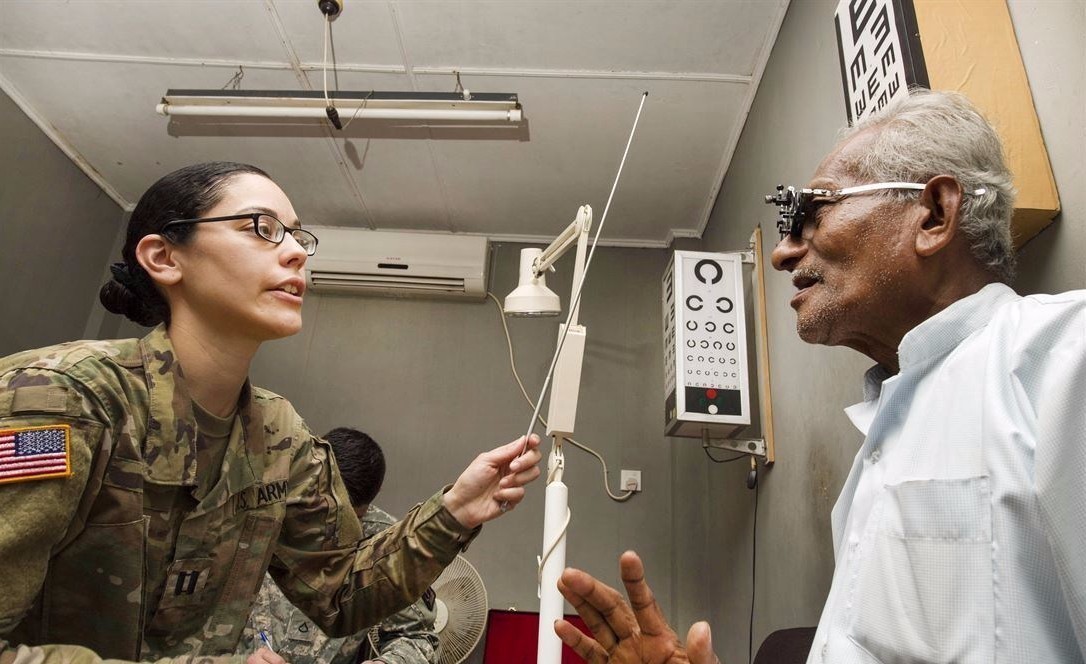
{"x":960,"y":533}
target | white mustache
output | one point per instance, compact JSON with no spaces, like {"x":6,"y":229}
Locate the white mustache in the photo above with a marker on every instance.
{"x":804,"y":273}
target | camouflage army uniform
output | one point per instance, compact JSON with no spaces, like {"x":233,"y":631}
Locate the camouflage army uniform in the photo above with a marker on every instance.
{"x":405,"y":638}
{"x":131,"y":557}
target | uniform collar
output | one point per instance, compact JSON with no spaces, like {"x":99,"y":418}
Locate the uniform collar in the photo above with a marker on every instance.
{"x":170,"y":447}
{"x":942,"y":333}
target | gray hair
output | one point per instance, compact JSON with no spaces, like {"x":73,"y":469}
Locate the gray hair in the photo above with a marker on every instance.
{"x":928,"y":133}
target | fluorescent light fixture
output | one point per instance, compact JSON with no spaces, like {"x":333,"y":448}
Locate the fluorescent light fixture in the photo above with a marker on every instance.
{"x":369,"y":105}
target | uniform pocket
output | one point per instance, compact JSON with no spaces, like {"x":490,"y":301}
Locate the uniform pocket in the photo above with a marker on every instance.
{"x":923,"y":590}
{"x":109,"y":558}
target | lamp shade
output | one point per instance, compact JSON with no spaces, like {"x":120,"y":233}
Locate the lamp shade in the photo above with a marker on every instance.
{"x":531,"y":297}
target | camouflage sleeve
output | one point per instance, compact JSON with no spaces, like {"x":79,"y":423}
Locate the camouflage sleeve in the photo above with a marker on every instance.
{"x":80,"y":655}
{"x":408,"y":637}
{"x":346,"y":584}
{"x":39,"y":511}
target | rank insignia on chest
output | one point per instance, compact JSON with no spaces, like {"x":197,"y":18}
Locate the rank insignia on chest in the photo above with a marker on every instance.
{"x":299,"y":628}
{"x":35,"y":453}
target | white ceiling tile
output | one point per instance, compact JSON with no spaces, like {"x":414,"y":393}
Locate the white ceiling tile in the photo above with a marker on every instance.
{"x":236,"y":30}
{"x":393,"y":169}
{"x":363,"y":34}
{"x":721,"y":37}
{"x":106,"y":113}
{"x":578,"y":130}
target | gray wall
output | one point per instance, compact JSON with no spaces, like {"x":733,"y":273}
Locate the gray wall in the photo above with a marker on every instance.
{"x":792,"y":125}
{"x":56,"y":231}
{"x":430,"y":380}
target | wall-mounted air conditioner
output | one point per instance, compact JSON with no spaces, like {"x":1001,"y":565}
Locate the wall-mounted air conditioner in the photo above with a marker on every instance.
{"x":363,"y":262}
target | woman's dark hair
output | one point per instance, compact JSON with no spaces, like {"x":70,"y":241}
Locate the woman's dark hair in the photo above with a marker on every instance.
{"x":361,"y":463}
{"x":186,"y":193}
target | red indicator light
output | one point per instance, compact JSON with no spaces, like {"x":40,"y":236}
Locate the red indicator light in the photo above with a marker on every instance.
{"x":710,"y":393}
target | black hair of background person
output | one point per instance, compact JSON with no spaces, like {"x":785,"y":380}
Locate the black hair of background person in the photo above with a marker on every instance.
{"x":361,"y":463}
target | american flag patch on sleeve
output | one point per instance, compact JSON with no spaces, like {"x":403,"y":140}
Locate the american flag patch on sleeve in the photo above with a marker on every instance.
{"x":35,"y":453}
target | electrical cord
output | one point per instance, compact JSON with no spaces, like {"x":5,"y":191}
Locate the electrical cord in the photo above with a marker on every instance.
{"x":753,"y":576}
{"x":716,"y":460}
{"x":520,"y":383}
{"x":335,"y":72}
{"x":324,"y":60}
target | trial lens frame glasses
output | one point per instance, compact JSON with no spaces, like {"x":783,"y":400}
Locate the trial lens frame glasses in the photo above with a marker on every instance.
{"x":797,"y":207}
{"x":272,"y":232}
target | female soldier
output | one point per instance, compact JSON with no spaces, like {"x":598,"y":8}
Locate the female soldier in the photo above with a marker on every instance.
{"x":146,"y":486}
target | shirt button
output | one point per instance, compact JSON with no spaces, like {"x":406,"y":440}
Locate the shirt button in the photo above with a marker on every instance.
{"x":875,"y":456}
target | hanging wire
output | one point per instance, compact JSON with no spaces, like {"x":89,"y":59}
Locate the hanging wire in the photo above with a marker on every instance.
{"x":358,"y":108}
{"x":753,"y":576}
{"x":459,"y":89}
{"x":332,"y":48}
{"x":737,"y":457}
{"x":235,"y":81}
{"x":324,"y":59}
{"x":513,"y":365}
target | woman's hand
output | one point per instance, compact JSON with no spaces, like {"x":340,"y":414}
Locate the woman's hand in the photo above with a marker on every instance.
{"x":494,"y":482}
{"x":627,"y":633}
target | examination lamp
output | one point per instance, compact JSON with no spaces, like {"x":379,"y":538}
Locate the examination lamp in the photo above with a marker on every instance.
{"x":531,"y":298}
{"x":477,"y":107}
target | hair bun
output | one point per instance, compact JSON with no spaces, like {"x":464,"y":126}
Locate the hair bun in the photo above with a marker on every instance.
{"x":121,"y":295}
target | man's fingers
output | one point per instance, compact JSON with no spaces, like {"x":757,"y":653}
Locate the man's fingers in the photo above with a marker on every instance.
{"x":592,"y":618}
{"x":699,"y":644}
{"x":642,"y":600}
{"x":608,"y":608}
{"x":586,"y":648}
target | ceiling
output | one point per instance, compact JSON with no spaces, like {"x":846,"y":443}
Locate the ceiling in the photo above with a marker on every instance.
{"x":90,"y":72}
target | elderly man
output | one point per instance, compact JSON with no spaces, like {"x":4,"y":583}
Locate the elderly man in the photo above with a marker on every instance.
{"x":960,"y":531}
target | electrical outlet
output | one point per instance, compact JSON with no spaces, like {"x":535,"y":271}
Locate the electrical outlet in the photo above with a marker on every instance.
{"x":630,"y":480}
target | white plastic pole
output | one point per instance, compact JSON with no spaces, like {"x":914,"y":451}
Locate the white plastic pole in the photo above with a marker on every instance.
{"x":551,"y":602}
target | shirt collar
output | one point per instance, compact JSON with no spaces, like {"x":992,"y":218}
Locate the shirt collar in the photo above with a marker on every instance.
{"x":934,"y":337}
{"x":170,"y":447}
{"x":942,"y":333}
{"x":873,"y":379}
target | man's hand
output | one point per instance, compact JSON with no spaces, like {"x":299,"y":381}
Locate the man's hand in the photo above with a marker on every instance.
{"x":265,"y":656}
{"x":626,"y":634}
{"x":494,"y":482}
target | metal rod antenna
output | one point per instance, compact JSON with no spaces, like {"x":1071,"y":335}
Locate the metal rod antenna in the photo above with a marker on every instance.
{"x":577,"y":297}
